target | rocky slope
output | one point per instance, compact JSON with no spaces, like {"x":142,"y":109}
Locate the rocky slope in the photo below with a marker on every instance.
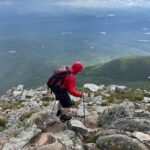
{"x":116,"y":118}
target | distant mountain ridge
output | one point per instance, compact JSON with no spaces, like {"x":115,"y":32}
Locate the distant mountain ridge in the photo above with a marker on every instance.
{"x":131,"y":71}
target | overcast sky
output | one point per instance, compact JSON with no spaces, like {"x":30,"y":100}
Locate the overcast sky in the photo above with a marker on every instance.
{"x":51,"y":5}
{"x":104,"y":3}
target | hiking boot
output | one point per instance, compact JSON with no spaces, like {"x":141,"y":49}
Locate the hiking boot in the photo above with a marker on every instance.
{"x":64,"y":118}
{"x":58,"y":113}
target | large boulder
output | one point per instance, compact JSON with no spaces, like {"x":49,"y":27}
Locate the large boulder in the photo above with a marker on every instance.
{"x":67,"y":138}
{"x":77,"y":126}
{"x":102,"y":87}
{"x":54,"y":146}
{"x":13,"y":117}
{"x":142,"y":113}
{"x":17,"y":143}
{"x":97,"y":100}
{"x":100,"y":109}
{"x":145,"y":138}
{"x":45,"y":138}
{"x":119,"y":142}
{"x":91,"y":120}
{"x":117,"y":89}
{"x":132,"y":124}
{"x":105,"y":133}
{"x":20,"y":87}
{"x":113,"y":113}
{"x":17,"y":93}
{"x":91,"y":87}
{"x":146,"y":100}
{"x":42,"y":119}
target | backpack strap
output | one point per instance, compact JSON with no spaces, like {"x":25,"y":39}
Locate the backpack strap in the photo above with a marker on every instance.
{"x":67,"y":72}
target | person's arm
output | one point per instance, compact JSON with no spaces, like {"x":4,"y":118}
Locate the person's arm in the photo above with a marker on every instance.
{"x":71,"y":87}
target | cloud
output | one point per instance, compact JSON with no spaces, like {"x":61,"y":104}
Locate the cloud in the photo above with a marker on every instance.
{"x":27,"y":6}
{"x":52,"y":6}
{"x":76,"y":3}
{"x":104,"y":3}
{"x":5,"y":3}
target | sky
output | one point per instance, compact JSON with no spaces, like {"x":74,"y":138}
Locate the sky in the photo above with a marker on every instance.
{"x":23,"y":6}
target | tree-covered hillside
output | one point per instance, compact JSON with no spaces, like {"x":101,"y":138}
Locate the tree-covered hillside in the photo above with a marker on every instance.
{"x":133,"y":71}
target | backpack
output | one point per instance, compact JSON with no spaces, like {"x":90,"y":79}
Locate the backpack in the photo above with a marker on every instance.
{"x":56,"y":81}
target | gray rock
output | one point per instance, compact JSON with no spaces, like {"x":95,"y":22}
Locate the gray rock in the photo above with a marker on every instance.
{"x":78,"y":140}
{"x":142,"y":113}
{"x":17,"y":143}
{"x":105,"y":133}
{"x":34,"y":98}
{"x":145,"y":138}
{"x":33,"y":105}
{"x":30,"y":94}
{"x":41,"y":88}
{"x":113,"y":113}
{"x":111,"y":88}
{"x":91,"y":120}
{"x":97,"y":100}
{"x":20,"y":87}
{"x":46,"y":98}
{"x":43,"y":93}
{"x":67,"y":138}
{"x":17,"y":93}
{"x":44,"y":138}
{"x":13,"y":117}
{"x":91,"y":87}
{"x":102,"y":87}
{"x":90,"y":103}
{"x":100,"y":109}
{"x":9,"y":92}
{"x":70,"y":134}
{"x":4,"y":99}
{"x":24,"y":94}
{"x":42,"y":119}
{"x":147,"y":107}
{"x":54,"y":146}
{"x":77,"y":126}
{"x":147,"y":93}
{"x":105,"y":94}
{"x":121,"y":89}
{"x":79,"y":147}
{"x":90,"y":146}
{"x":148,"y":132}
{"x":117,"y":89}
{"x":120,"y":142}
{"x":132,"y":124}
{"x":80,"y":111}
{"x":146,"y":100}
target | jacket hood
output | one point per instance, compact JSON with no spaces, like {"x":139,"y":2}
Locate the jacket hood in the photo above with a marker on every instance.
{"x":76,"y":67}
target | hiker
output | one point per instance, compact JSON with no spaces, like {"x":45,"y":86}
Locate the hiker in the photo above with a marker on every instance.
{"x":62,"y":83}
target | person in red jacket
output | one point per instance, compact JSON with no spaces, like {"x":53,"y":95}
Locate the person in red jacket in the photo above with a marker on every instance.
{"x":69,"y":87}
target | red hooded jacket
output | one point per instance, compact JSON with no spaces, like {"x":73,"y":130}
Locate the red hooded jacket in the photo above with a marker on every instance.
{"x":70,"y":79}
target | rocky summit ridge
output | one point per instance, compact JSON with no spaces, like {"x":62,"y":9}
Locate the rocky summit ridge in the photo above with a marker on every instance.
{"x":115,"y":118}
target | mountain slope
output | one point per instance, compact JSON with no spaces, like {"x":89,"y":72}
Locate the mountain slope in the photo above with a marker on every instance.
{"x":129,"y":71}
